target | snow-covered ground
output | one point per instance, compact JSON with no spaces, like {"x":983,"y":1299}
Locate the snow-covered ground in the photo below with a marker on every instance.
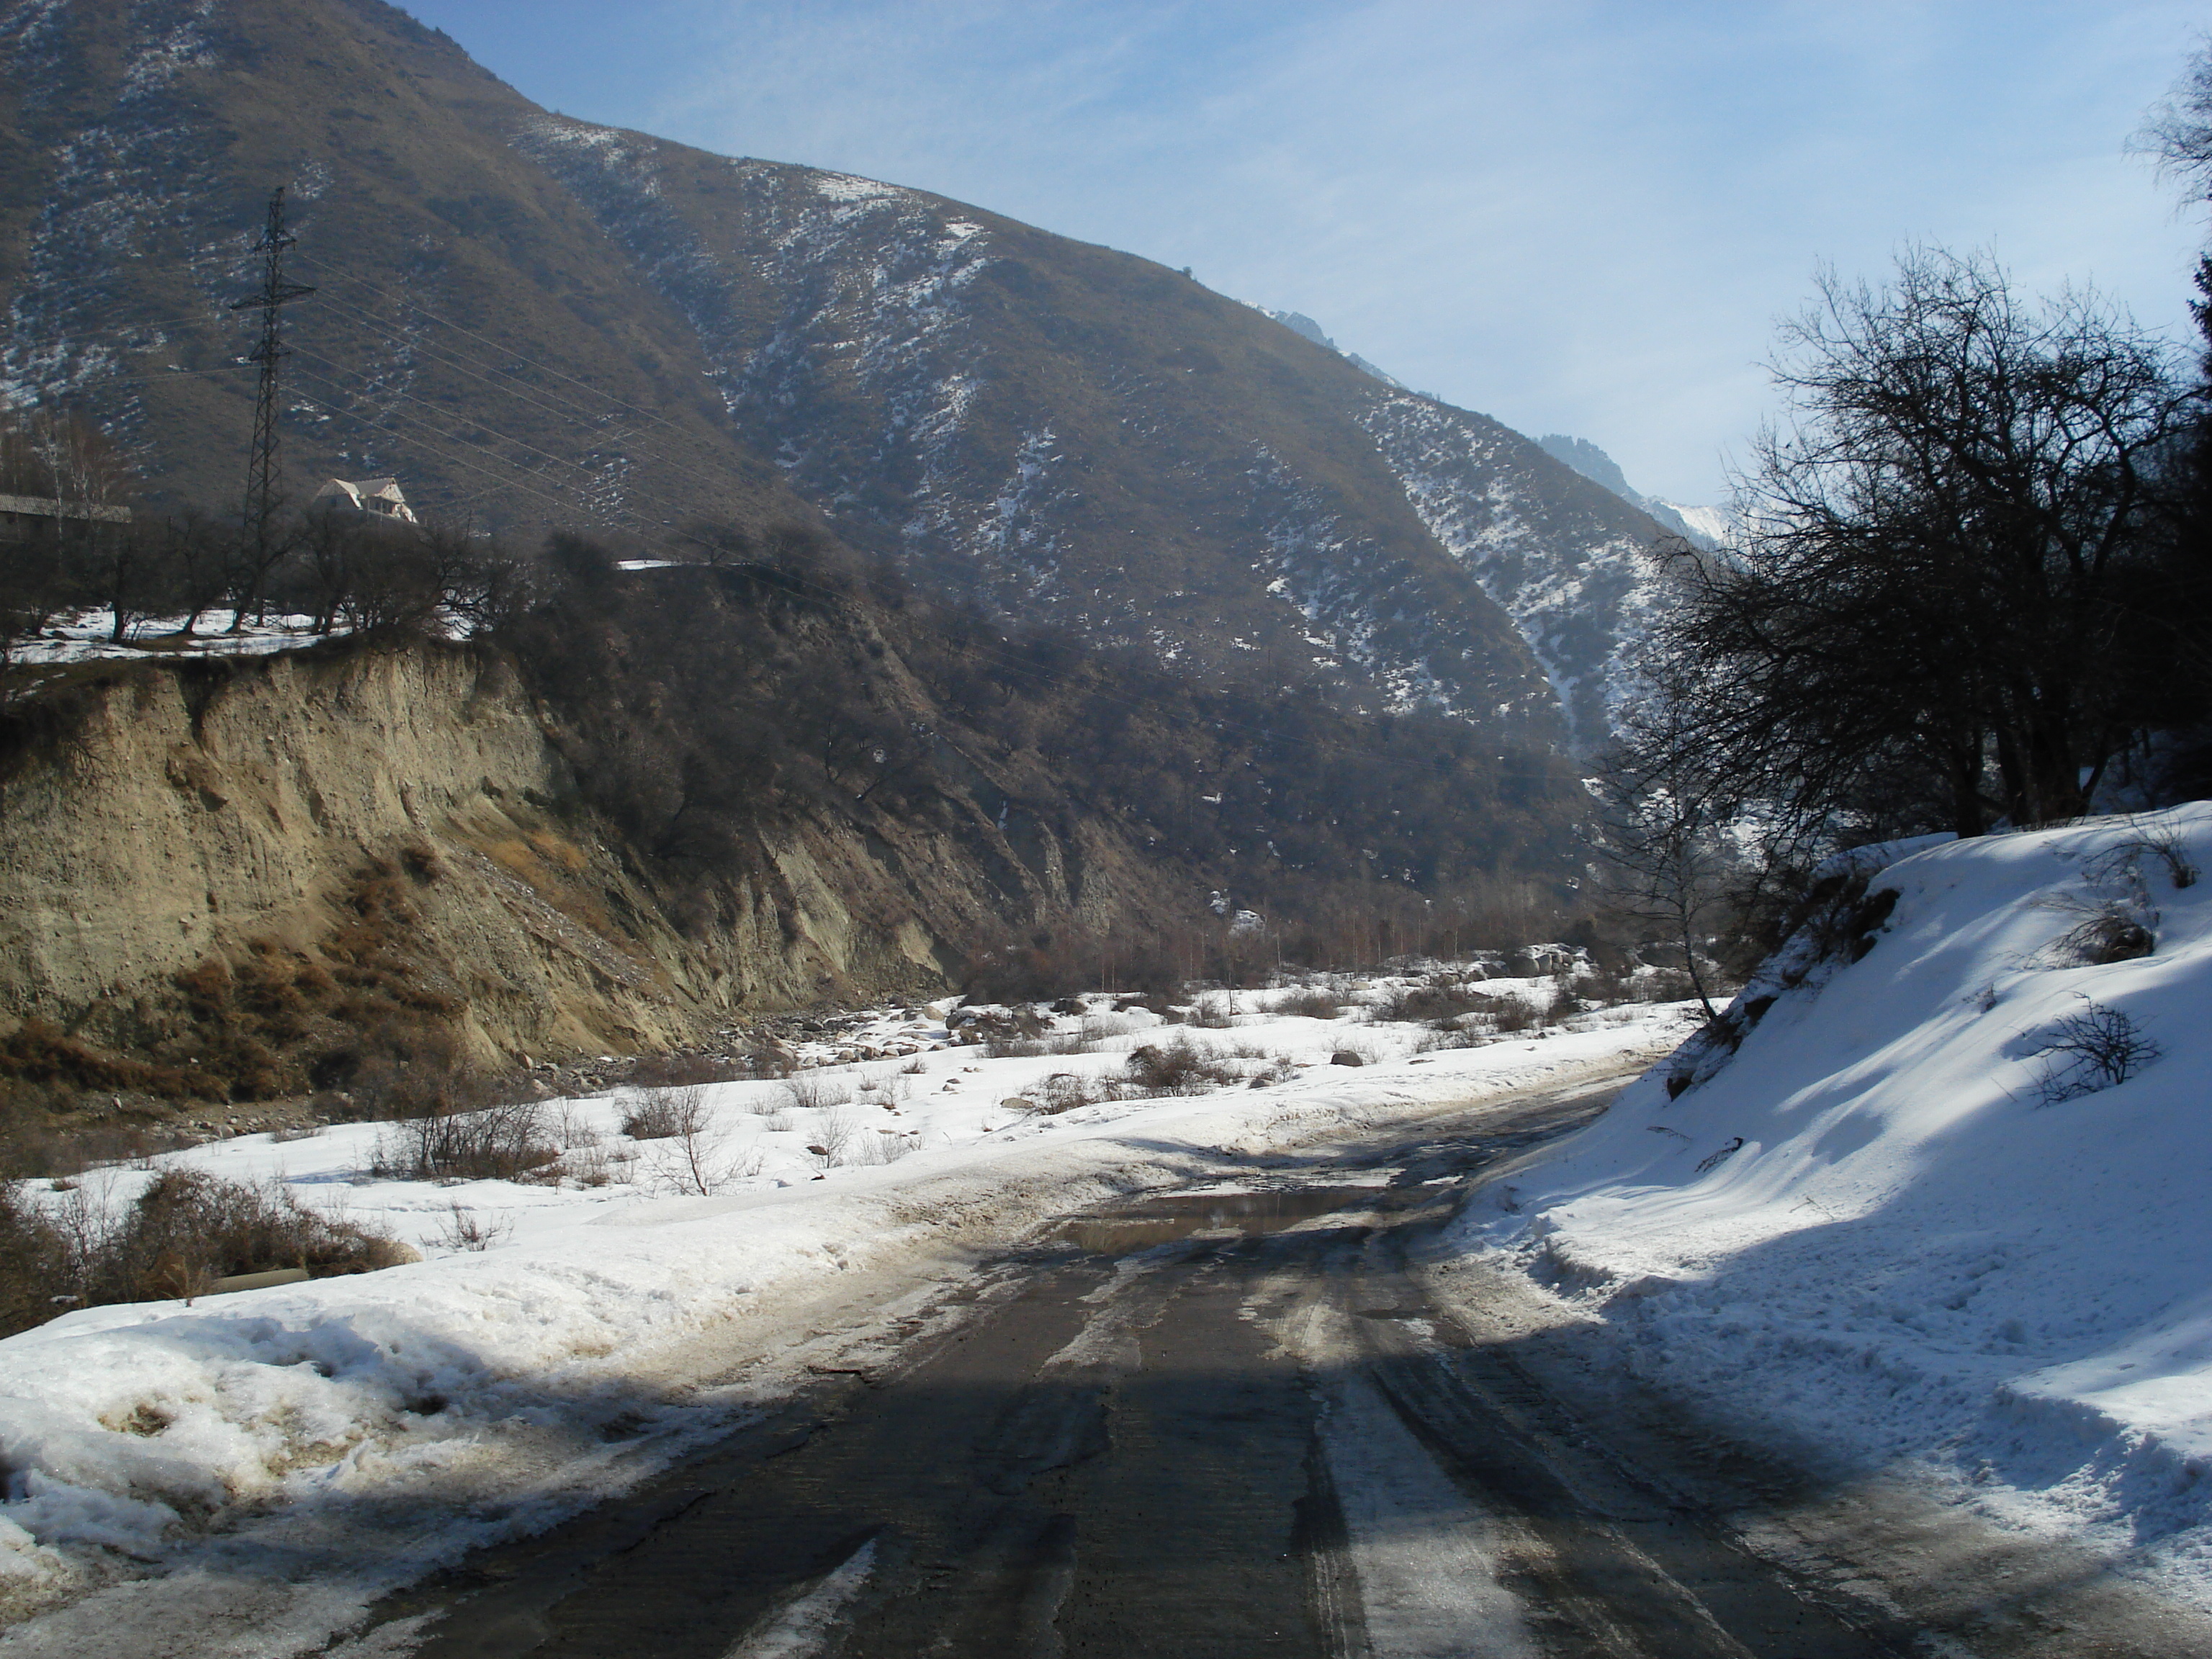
{"x":277,"y":1458}
{"x":82,"y":635}
{"x":1900,"y":1228}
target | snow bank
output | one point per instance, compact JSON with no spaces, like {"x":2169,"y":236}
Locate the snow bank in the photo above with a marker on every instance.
{"x":83,"y":636}
{"x":330,"y":1440}
{"x":1879,"y":1228}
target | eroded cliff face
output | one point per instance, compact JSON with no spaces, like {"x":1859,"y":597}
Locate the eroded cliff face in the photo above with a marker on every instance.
{"x":395,"y":832}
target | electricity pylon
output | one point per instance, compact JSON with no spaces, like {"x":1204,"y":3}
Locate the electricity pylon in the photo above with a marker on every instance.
{"x":261,"y":480}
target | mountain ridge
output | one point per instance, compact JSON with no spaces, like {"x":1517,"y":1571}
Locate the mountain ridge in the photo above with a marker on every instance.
{"x":535,"y":319}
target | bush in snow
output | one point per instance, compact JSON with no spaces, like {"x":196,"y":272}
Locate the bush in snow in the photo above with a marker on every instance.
{"x":187,"y":1229}
{"x":1181,"y":1067}
{"x":34,"y":1264}
{"x":471,"y":1229}
{"x":506,"y":1142}
{"x":810,"y":1092}
{"x":2122,"y":863}
{"x":2091,"y":1050}
{"x":664,"y":1111}
{"x":1440,"y":999}
{"x":1311,"y":1002}
{"x":2110,"y":931}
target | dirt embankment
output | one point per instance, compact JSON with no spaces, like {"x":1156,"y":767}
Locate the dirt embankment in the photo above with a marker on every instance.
{"x":247,"y":865}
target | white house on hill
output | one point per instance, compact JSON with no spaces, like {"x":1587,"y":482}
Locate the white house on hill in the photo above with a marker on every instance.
{"x":377,"y":497}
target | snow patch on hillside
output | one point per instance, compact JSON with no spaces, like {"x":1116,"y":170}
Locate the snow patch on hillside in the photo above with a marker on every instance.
{"x":1877,"y":1228}
{"x":1715,"y":526}
{"x":1581,"y":595}
{"x":1016,"y":530}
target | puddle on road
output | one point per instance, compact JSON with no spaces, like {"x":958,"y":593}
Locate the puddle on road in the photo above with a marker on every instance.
{"x":1164,"y":1219}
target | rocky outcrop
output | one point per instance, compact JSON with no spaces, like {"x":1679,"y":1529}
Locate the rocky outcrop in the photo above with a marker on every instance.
{"x":405,"y":815}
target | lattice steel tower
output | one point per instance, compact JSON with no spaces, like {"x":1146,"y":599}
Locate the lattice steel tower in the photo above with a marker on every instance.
{"x":261,"y":483}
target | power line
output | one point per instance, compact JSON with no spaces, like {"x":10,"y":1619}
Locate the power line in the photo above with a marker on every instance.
{"x":652,"y":416}
{"x":394,"y":391}
{"x":556,"y":405}
{"x":372,"y":421}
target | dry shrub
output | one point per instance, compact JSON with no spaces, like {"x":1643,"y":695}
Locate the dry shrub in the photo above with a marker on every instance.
{"x":2109,"y":933}
{"x":1060,"y":1042}
{"x":40,"y":1135}
{"x":1512,"y":1013}
{"x":271,"y":1020}
{"x":189,"y":1229}
{"x":470,"y":1229}
{"x":883,"y":1146}
{"x":2121,"y":865}
{"x":2093,"y":1049}
{"x":1214,"y":1012}
{"x":1311,"y":1002}
{"x":35,"y":1266}
{"x":1439,"y":1000}
{"x":664,"y":1112}
{"x":588,"y":1166}
{"x":403,"y":1066}
{"x":838,"y":1128}
{"x":37,"y":1052}
{"x":682,"y":1071}
{"x":811,"y":1091}
{"x":502,"y":1142}
{"x":1181,"y":1067}
{"x":1063,"y":1091}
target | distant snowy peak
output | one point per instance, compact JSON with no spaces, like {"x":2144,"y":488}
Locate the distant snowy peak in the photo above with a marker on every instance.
{"x":1299,"y":323}
{"x":1593,"y":463}
{"x":1707,"y":527}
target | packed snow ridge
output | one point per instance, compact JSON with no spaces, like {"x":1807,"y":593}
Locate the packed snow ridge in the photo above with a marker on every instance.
{"x":1942,"y":1209}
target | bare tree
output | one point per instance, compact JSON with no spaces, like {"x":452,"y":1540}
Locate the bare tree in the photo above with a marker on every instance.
{"x":62,"y":460}
{"x":195,"y":556}
{"x":1945,"y":607}
{"x":1668,"y":864}
{"x":330,"y":551}
{"x":2180,"y":131}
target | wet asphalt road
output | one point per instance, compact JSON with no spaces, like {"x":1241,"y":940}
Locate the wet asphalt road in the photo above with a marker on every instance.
{"x":1215,"y":1423}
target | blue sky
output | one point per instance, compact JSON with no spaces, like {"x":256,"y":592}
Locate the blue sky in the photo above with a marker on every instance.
{"x":1578,"y":216}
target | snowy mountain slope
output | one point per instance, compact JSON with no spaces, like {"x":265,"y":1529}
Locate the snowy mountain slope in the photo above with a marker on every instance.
{"x":1568,"y":567}
{"x":1876,"y":1229}
{"x":470,"y":329}
{"x":1061,"y":430}
{"x":1706,"y":526}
